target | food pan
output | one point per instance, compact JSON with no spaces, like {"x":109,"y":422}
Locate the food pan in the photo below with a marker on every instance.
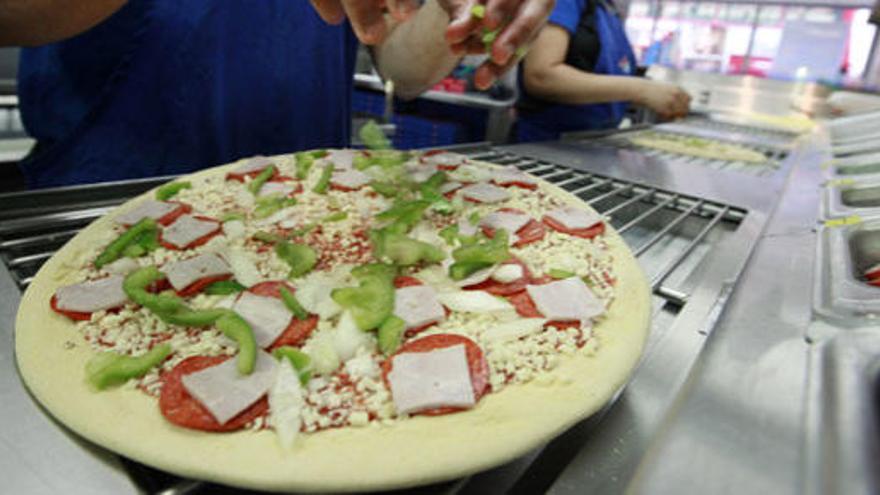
{"x":844,"y":197}
{"x":856,"y":147}
{"x":845,"y":251}
{"x":856,"y":165}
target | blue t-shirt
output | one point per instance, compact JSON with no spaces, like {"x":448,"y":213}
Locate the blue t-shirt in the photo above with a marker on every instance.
{"x":615,"y":57}
{"x":172,"y":86}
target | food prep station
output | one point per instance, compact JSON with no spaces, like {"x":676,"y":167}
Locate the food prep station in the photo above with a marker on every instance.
{"x":759,"y":375}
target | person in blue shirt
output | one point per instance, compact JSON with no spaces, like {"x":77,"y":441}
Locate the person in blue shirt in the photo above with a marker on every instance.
{"x":116,"y":89}
{"x":579,"y":75}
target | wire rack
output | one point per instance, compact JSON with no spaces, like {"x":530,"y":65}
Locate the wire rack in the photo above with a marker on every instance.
{"x":670,"y":233}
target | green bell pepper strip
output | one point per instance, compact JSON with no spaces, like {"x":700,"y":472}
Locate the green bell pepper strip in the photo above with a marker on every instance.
{"x":267,"y":205}
{"x":228,"y":217}
{"x":171,"y":189}
{"x":391,"y":334}
{"x":134,"y":251}
{"x":560,"y":274}
{"x":493,"y":250}
{"x":135,"y":287}
{"x":305,"y":160}
{"x":373,"y":137}
{"x":386,"y":189}
{"x":404,"y":251}
{"x":324,"y":181}
{"x":404,"y":215}
{"x":267,"y":237}
{"x":335,"y":217}
{"x":108,"y":369}
{"x":370,"y":303}
{"x":461,"y":270}
{"x":194,"y":318}
{"x":381,"y":270}
{"x":234,"y":327}
{"x":255,"y":185}
{"x":224,"y":288}
{"x":303,"y":230}
{"x":300,"y":257}
{"x":300,"y":361}
{"x":116,"y":249}
{"x":449,"y":234}
{"x":292,"y":304}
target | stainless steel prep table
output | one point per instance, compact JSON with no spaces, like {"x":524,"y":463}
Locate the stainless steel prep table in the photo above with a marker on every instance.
{"x":718,"y":403}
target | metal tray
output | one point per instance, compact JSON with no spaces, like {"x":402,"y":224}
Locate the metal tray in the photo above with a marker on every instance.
{"x":848,"y":196}
{"x":856,"y":125}
{"x":843,"y":253}
{"x":847,"y":140}
{"x":844,"y":407}
{"x":856,"y":165}
{"x":856,"y":147}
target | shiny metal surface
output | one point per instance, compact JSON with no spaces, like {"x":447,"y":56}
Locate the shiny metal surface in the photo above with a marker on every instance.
{"x":846,"y":197}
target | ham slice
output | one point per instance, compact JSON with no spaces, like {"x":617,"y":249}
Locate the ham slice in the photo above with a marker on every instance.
{"x":188,"y":229}
{"x":507,"y":220}
{"x":255,"y":164}
{"x":450,"y":186}
{"x":575,"y":218}
{"x":351,"y":179}
{"x":95,"y":295}
{"x":465,"y":227}
{"x":566,"y":300}
{"x":275,"y":187}
{"x":420,"y":172}
{"x":342,"y":159}
{"x":267,"y":316}
{"x":512,"y":175}
{"x":417,"y":306}
{"x":445,"y":159}
{"x":184,"y":273}
{"x":425,"y":380}
{"x":146,"y":209}
{"x":225,"y":392}
{"x":485,"y":193}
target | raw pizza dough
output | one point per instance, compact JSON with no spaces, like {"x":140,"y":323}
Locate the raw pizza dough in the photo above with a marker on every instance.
{"x":503,"y":426}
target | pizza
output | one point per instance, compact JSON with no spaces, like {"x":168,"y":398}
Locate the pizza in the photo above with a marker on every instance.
{"x":335,"y":320}
{"x":697,"y":146}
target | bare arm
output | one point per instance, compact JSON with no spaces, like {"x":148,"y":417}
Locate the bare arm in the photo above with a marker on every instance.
{"x":547,"y":76}
{"x":37,"y":22}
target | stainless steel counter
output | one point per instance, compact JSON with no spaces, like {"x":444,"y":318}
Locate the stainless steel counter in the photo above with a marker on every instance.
{"x":721,"y":398}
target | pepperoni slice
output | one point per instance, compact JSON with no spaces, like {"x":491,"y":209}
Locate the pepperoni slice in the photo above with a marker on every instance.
{"x":526,"y":308}
{"x":171,"y":216}
{"x":199,"y":285}
{"x":73,"y":315}
{"x":198,"y":242}
{"x":298,"y":330}
{"x":515,"y":183}
{"x":182,"y":409}
{"x":405,"y":281}
{"x":477,"y":364}
{"x":337,"y":187}
{"x":497,"y":288}
{"x":587,"y":233}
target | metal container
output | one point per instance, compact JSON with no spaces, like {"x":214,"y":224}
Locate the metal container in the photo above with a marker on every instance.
{"x":867,"y":145}
{"x":841,"y":293}
{"x":855,"y":166}
{"x":843,"y":197}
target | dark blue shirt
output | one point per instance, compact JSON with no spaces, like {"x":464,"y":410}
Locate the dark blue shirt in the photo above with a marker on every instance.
{"x":172,"y":86}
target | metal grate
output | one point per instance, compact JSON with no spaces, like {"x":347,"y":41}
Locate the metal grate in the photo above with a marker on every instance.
{"x":670,"y":233}
{"x":775,"y":156}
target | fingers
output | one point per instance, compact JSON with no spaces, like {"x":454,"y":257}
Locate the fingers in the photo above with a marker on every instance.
{"x":462,"y":23}
{"x":330,"y":11}
{"x":470,"y":46}
{"x":489,"y":72}
{"x":367,"y":20}
{"x":525,"y":25}
{"x":402,"y":9}
{"x":498,"y":11}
